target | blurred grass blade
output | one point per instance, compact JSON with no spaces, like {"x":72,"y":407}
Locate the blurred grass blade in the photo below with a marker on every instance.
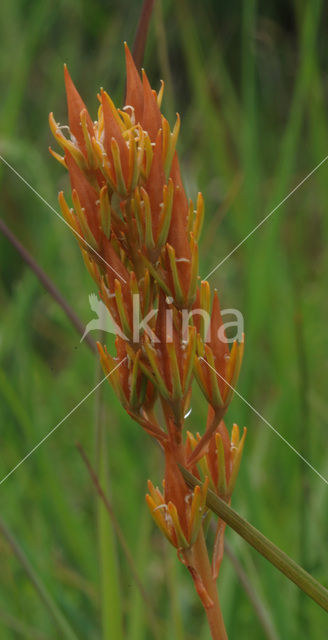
{"x":137,"y":614}
{"x":121,"y":538}
{"x":20,"y":628}
{"x":259,"y":607}
{"x":47,"y":284}
{"x":46,"y":469}
{"x":175,"y":622}
{"x":62,"y":624}
{"x":213,"y":124}
{"x":142,"y":32}
{"x":110,"y":586}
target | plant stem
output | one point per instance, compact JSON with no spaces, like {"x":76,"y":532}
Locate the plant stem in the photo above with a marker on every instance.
{"x":263,"y":545}
{"x":202,"y":565}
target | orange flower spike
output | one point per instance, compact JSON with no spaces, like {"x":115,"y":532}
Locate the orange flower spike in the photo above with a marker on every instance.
{"x":75,"y":106}
{"x":134,"y":89}
{"x":151,"y":117}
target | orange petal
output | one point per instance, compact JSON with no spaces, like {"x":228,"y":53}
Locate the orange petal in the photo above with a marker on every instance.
{"x":178,"y":236}
{"x":178,"y":233}
{"x":218,"y":548}
{"x":116,"y":269}
{"x":161,"y":331}
{"x":151,"y":117}
{"x":134,"y":90}
{"x":155,"y":184}
{"x":175,"y":488}
{"x":112,"y":130}
{"x":217,"y":341}
{"x":75,"y":105}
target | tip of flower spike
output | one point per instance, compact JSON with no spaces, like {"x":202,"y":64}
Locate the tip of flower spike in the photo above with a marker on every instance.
{"x":134,"y":90}
{"x":67,"y":75}
{"x":75,"y":105}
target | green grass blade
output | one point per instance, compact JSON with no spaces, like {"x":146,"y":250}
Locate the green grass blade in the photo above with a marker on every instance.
{"x":59,"y":618}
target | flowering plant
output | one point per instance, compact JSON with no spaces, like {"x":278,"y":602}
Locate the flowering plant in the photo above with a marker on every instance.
{"x":138,"y":235}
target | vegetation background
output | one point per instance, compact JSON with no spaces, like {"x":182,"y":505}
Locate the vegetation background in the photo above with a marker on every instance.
{"x":250,"y":82}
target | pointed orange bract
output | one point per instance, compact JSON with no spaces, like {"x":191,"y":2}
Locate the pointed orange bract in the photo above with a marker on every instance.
{"x":134,"y":89}
{"x":151,"y":117}
{"x":218,"y":341}
{"x":75,"y":106}
{"x":113,"y":132}
{"x":155,"y":184}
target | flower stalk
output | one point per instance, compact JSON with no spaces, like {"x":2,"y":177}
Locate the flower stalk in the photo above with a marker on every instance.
{"x":202,"y":565}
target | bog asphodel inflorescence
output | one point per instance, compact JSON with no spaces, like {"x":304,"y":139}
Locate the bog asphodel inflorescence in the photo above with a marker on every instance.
{"x":138,"y":235}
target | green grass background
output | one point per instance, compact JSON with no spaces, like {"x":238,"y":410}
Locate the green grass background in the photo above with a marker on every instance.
{"x":250,"y":81}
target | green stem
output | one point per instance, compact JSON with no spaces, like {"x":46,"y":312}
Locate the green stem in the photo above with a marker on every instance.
{"x":265,"y":547}
{"x":203,"y":567}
